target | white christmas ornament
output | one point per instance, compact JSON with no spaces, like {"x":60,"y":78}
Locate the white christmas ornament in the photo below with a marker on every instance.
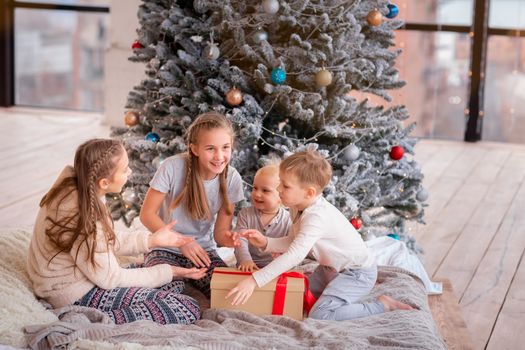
{"x":270,"y":6}
{"x":422,"y":195}
{"x":351,"y":153}
{"x":211,"y":52}
{"x":129,"y":196}
{"x":259,"y":35}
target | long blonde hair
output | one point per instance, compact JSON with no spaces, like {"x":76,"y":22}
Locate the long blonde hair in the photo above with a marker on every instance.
{"x":94,"y":159}
{"x":193,"y":195}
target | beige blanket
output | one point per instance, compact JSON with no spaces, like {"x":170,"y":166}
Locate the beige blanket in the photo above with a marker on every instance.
{"x":78,"y":327}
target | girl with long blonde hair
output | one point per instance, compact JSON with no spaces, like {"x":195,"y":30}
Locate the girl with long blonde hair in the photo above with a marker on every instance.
{"x":198,"y":189}
{"x":73,"y":251}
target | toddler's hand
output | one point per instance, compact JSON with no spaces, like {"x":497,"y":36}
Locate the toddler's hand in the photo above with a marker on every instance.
{"x":256,"y":238}
{"x":248,"y":266}
{"x":193,"y":273}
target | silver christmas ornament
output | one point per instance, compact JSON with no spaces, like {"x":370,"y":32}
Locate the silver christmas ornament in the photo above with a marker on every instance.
{"x":351,"y":153}
{"x":270,"y":6}
{"x":129,"y":196}
{"x":211,"y":52}
{"x":422,"y":195}
{"x":157,"y":161}
{"x":154,"y":63}
{"x":259,"y":36}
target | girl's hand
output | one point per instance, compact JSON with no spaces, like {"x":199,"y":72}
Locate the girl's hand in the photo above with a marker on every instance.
{"x":165,"y":237}
{"x":248,"y":266}
{"x":242,"y":291}
{"x":193,"y":273}
{"x":231,"y":239}
{"x":196,"y":254}
{"x":256,"y":238}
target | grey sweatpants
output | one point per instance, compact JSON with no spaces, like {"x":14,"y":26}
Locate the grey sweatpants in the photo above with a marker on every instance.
{"x":339,"y":293}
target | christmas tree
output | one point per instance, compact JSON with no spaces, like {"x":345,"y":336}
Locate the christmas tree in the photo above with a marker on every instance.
{"x":284,"y":73}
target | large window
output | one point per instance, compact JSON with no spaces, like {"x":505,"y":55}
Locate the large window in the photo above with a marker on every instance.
{"x":57,"y":50}
{"x":465,"y":74}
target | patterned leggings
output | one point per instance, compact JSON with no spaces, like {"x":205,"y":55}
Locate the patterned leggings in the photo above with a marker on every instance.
{"x":163,"y":305}
{"x":156,"y":257}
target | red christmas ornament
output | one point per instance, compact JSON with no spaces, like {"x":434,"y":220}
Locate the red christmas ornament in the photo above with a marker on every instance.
{"x":397,"y":152}
{"x":357,"y":223}
{"x":137,"y":45}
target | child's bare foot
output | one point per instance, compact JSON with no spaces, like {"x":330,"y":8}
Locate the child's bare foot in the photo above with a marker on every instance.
{"x":391,"y":304}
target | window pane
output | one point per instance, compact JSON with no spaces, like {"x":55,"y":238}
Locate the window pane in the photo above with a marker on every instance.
{"x":507,"y":14}
{"x":435,"y":66}
{"x":453,"y":12}
{"x":71,"y":2}
{"x":505,"y":90}
{"x":59,"y":58}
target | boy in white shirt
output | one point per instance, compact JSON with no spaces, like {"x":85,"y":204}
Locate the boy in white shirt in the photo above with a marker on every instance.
{"x":346,"y":271}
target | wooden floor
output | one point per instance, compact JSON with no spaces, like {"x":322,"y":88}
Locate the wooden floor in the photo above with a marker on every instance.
{"x":474,"y":237}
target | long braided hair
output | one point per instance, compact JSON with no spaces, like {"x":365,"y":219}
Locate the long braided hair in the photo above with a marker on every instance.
{"x":193,"y":195}
{"x":94,"y":159}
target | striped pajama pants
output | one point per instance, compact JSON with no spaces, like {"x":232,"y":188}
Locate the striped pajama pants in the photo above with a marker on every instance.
{"x":156,"y":257}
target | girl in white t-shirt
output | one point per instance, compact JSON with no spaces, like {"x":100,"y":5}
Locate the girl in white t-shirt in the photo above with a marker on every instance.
{"x":198,"y":189}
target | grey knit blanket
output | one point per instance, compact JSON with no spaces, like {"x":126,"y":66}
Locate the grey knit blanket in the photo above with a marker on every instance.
{"x":227,"y":329}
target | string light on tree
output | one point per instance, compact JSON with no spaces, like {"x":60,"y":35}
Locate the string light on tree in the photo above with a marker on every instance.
{"x":357,"y":223}
{"x":393,"y":11}
{"x":374,"y":18}
{"x":397,"y":152}
{"x":131,"y":118}
{"x":323,"y":77}
{"x":270,"y":6}
{"x":234,"y":97}
{"x":278,"y":76}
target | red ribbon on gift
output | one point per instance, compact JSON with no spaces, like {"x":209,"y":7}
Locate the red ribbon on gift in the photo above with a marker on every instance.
{"x":280,"y":290}
{"x":280,"y":293}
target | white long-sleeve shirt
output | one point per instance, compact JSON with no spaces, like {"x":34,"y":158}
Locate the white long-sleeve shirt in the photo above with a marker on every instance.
{"x":325,"y":232}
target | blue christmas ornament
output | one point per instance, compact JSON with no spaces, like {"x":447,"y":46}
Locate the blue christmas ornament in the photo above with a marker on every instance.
{"x":153,"y":137}
{"x":394,"y":236}
{"x":393,"y":11}
{"x":278,"y":76}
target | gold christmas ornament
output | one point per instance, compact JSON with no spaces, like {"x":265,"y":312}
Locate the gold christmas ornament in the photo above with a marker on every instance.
{"x":131,"y":118}
{"x":234,"y":97}
{"x":323,"y":77}
{"x":374,"y":18}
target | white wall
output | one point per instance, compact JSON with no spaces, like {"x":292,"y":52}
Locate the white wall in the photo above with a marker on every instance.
{"x":120,"y":74}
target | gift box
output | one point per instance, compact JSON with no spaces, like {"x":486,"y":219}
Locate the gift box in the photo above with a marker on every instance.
{"x":286,"y":295}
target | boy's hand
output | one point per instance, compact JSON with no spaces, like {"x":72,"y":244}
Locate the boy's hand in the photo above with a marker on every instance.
{"x":248,"y":266}
{"x":231,"y":239}
{"x":196,"y":254}
{"x":242,"y":291}
{"x":256,"y":238}
{"x":166,"y":237}
{"x":193,"y":273}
